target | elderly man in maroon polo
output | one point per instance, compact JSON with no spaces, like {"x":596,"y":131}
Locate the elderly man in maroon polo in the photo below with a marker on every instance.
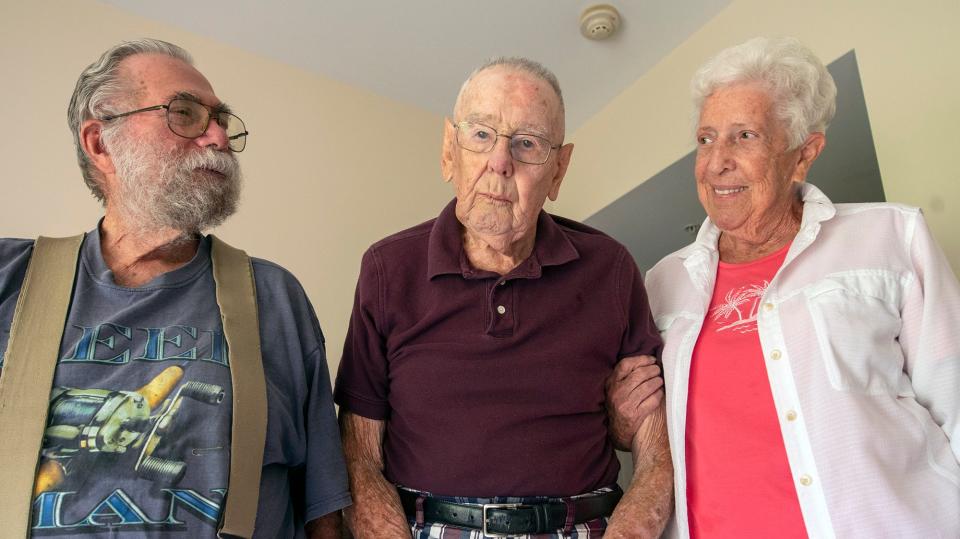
{"x":472,"y":385}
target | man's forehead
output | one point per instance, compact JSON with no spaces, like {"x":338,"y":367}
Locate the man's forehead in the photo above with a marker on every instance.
{"x":501,"y":80}
{"x":161,"y":77}
{"x":531,"y":124}
{"x":499,"y":87}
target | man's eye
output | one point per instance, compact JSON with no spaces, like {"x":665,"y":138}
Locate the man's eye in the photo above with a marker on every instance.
{"x":526,"y":142}
{"x":703,"y":139}
{"x":748,"y":135}
{"x":481,"y":134}
{"x":183,"y":114}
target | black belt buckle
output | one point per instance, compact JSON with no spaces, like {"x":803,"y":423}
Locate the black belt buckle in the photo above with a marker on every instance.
{"x":489,"y":506}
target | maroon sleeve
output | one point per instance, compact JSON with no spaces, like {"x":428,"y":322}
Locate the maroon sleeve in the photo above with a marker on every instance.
{"x":362,"y":379}
{"x":641,"y":336}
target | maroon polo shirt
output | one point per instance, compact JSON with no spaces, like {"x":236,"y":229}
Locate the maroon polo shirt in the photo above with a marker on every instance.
{"x":493,"y":385}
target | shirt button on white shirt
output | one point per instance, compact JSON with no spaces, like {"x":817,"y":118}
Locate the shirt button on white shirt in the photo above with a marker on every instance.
{"x":775,"y":355}
{"x":501,"y":309}
{"x":768,"y":306}
{"x":806,"y":480}
{"x":791,"y":415}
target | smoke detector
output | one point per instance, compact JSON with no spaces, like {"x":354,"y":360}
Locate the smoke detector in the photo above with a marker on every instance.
{"x":599,"y":22}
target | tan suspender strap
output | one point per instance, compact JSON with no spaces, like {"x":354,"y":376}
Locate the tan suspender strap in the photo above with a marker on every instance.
{"x":237,"y":298}
{"x":28,"y":367}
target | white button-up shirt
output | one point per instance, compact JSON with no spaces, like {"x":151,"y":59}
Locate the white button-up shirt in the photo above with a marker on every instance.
{"x":860,"y":329}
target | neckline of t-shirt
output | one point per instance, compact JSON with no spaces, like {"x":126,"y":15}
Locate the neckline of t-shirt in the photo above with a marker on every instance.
{"x":92,"y":260}
{"x":781,"y":252}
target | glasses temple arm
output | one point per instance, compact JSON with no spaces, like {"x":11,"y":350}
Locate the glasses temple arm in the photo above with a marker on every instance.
{"x":109,"y":117}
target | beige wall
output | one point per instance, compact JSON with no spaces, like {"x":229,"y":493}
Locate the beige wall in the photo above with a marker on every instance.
{"x":320,"y":187}
{"x":907,"y":53}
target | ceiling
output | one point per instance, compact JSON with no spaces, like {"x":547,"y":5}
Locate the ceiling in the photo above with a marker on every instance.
{"x":420,"y":51}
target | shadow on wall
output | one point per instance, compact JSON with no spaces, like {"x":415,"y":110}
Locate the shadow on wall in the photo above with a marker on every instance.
{"x":663,"y":213}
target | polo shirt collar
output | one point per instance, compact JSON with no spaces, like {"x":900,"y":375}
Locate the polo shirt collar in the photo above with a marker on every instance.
{"x":445,"y":254}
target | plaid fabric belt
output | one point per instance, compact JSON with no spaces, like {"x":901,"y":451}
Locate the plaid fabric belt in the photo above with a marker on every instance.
{"x":511,"y":518}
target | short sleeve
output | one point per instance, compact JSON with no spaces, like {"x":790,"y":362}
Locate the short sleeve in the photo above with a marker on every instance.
{"x":362,"y":379}
{"x":14,"y":257}
{"x":640,"y":335}
{"x":325,"y":490}
{"x":304,"y":472}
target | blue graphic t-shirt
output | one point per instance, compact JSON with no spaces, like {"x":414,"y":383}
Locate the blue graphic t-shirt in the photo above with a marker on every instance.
{"x":137,"y":442}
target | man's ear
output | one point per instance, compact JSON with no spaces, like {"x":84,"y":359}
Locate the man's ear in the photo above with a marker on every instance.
{"x":809,"y":151}
{"x":91,"y":140}
{"x":563,"y":161}
{"x":447,"y":149}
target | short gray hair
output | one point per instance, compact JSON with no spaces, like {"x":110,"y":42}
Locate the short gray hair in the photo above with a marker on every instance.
{"x":100,"y":90}
{"x":526,"y":65}
{"x":801,"y":88}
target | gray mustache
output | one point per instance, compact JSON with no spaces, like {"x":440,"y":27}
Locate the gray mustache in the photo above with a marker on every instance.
{"x":222,"y":162}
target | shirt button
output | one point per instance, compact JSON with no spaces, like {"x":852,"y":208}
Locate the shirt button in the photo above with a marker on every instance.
{"x":503,"y":283}
{"x":775,"y":355}
{"x":501,"y":309}
{"x":768,"y":306}
{"x":791,"y":415}
{"x":806,"y":480}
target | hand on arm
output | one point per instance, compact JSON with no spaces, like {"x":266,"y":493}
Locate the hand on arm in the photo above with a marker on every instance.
{"x":634,"y":391}
{"x":645,"y":507}
{"x":376,"y":510}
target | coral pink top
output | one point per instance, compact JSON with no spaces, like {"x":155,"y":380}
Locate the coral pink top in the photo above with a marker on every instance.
{"x":738,"y":479}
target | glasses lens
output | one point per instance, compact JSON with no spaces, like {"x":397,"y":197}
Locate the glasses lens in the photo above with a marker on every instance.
{"x":187,"y":118}
{"x":529,"y":149}
{"x":236,"y":131}
{"x":476,"y":137}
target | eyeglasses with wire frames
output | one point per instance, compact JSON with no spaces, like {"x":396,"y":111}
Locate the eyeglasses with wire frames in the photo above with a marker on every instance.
{"x":524,"y":147}
{"x":190,"y":119}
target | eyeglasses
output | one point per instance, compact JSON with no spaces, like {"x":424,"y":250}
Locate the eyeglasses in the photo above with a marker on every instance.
{"x":190,"y":119}
{"x":524,"y":147}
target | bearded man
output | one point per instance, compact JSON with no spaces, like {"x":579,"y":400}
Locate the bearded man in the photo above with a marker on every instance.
{"x":140,"y":429}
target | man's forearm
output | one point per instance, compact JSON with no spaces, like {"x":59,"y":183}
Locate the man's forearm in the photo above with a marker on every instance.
{"x":376,"y":510}
{"x":326,"y":527}
{"x":646,"y":506}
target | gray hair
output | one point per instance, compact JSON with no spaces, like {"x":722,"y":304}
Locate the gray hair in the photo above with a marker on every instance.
{"x":530,"y":67}
{"x":101,"y":89}
{"x":801,"y":88}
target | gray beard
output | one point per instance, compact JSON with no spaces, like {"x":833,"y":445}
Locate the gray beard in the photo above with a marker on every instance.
{"x":173,"y":189}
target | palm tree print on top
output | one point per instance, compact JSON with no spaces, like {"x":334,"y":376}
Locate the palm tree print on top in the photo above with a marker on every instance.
{"x":739,"y":308}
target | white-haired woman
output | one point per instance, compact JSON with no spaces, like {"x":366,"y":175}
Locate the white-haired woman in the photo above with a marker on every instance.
{"x":812,"y":350}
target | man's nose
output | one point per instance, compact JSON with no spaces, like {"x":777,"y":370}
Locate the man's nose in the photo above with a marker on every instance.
{"x":215,"y":136}
{"x":500,"y":160}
